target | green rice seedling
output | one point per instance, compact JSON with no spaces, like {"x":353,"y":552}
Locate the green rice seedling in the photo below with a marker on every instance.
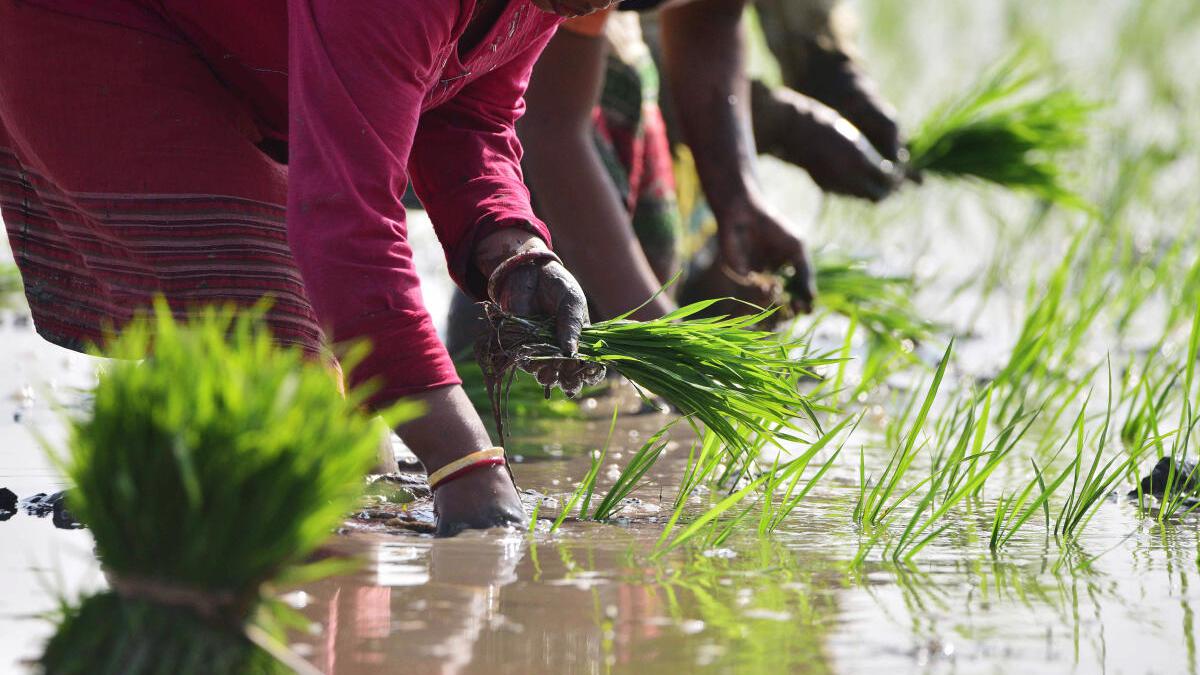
{"x":1010,"y":435}
{"x":707,"y":466}
{"x":635,"y":469}
{"x":1013,"y":511}
{"x":1176,"y":497}
{"x":704,"y":463}
{"x":881,"y":304}
{"x":212,"y":464}
{"x":961,"y":477}
{"x":716,"y":371}
{"x":873,"y":504}
{"x":701,"y":525}
{"x":587,"y":486}
{"x":1052,"y":332}
{"x":772,"y":516}
{"x":1088,"y":491}
{"x":1187,"y":296}
{"x":1010,"y":129}
{"x":843,"y":358}
{"x":957,"y":485}
{"x":897,"y":425}
{"x":1142,"y":277}
{"x":1144,"y":408}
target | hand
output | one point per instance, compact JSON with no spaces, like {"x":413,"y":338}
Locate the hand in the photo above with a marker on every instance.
{"x":858,"y":101}
{"x":572,"y":8}
{"x":755,"y":243}
{"x":482,"y":499}
{"x":837,"y":156}
{"x":450,"y":429}
{"x":541,"y":287}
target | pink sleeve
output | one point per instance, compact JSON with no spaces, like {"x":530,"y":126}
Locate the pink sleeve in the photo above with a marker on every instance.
{"x":466,"y":164}
{"x":358,"y":74}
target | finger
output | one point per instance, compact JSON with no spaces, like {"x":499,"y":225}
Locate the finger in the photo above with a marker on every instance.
{"x":594,"y":374}
{"x":803,"y":288}
{"x":875,"y":177}
{"x":884,"y":135}
{"x":572,"y":378}
{"x":880,"y":181}
{"x":732,"y":237}
{"x":569,"y":322}
{"x":876,"y":120}
{"x":571,"y":313}
{"x":547,"y":372}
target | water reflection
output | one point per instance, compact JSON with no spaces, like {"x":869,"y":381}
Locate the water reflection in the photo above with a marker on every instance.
{"x":589,"y":602}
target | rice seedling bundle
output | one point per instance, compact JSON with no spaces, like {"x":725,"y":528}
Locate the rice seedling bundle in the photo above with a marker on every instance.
{"x":206,"y":473}
{"x":882,"y":304}
{"x":718,"y":371}
{"x":1010,"y":129}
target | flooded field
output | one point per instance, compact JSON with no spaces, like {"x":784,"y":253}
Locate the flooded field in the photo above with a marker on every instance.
{"x":1065,"y":324}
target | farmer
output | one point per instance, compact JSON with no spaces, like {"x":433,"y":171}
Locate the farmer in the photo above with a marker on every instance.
{"x":604,"y":120}
{"x":151,"y":146}
{"x":599,"y":161}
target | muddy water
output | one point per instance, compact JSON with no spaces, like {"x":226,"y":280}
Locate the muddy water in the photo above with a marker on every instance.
{"x":593,"y":598}
{"x":37,"y":562}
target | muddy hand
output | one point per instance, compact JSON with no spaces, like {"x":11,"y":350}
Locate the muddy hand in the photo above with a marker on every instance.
{"x":483,"y":499}
{"x":813,"y":136}
{"x":572,"y":375}
{"x":526,"y":279}
{"x":838,"y":81}
{"x":548,"y":289}
{"x":755,"y":243}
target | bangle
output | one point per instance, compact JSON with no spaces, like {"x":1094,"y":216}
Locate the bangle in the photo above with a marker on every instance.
{"x":464,"y":465}
{"x":519,"y":260}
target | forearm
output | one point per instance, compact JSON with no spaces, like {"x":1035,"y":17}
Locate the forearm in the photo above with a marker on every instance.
{"x":704,"y":61}
{"x":449,"y":428}
{"x":575,"y":194}
{"x":592,"y":228}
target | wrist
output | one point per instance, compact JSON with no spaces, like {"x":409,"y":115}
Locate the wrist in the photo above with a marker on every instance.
{"x":745,"y":205}
{"x":500,"y":245}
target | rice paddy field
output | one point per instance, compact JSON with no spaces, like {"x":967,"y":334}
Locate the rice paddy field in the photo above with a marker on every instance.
{"x":964,"y":496}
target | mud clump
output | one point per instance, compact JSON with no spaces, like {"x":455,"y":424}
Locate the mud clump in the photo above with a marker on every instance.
{"x":1186,"y":478}
{"x":54,"y":505}
{"x":8,"y":504}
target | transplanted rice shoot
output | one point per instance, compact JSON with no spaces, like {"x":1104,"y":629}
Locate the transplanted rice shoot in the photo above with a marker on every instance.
{"x":882,"y":304}
{"x":1010,"y":129}
{"x":211,"y":468}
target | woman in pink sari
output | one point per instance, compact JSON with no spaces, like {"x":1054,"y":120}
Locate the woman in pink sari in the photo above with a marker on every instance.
{"x":222,"y":151}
